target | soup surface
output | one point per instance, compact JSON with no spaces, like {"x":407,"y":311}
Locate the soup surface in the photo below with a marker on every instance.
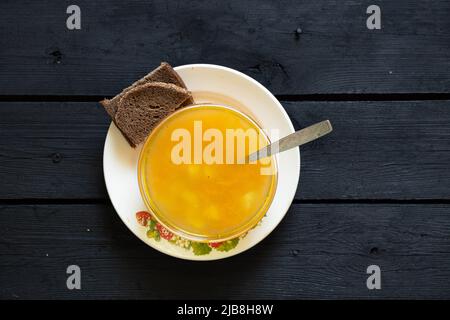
{"x":200,"y":190}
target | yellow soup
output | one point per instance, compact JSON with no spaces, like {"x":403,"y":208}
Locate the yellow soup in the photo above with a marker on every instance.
{"x":193,"y":176}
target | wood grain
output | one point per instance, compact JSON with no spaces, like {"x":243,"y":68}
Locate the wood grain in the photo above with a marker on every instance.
{"x":121,"y":41}
{"x":378,"y":150}
{"x":318,"y":251}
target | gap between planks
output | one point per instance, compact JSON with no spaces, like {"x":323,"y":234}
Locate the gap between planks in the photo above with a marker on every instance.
{"x":290,"y":97}
{"x":63,"y":201}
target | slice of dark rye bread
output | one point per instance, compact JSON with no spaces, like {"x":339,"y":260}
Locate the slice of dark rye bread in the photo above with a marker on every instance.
{"x":164,"y":73}
{"x":140,"y":109}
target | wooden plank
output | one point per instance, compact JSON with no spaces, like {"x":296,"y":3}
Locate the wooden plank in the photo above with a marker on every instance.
{"x":52,"y":150}
{"x":318,"y":251}
{"x":378,"y":150}
{"x":121,"y":41}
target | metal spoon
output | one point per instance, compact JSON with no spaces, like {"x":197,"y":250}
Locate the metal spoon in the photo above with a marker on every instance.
{"x":293,"y":140}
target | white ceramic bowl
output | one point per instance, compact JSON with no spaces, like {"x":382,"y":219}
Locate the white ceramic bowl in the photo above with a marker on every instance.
{"x":217,"y":85}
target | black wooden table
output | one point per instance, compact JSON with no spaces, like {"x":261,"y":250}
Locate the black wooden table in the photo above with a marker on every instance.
{"x":375,"y":192}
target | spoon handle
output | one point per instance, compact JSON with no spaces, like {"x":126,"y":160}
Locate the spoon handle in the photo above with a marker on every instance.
{"x":293,"y":140}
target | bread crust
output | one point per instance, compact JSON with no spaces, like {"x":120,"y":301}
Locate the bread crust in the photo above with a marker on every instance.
{"x":163,"y":73}
{"x":140,"y":109}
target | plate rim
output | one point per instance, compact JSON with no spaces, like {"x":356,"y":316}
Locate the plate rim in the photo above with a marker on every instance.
{"x":265,"y":235}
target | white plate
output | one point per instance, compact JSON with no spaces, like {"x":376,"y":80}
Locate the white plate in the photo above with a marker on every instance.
{"x":220,"y":85}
